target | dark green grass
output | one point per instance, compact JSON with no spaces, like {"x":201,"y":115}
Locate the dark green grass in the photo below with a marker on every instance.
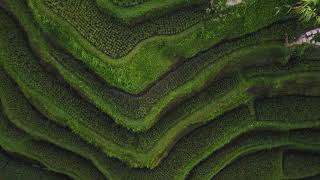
{"x":263,"y":165}
{"x":13,"y":168}
{"x":151,"y":59}
{"x":60,"y":103}
{"x":220,"y":130}
{"x":299,"y":164}
{"x":293,"y":110}
{"x":264,"y":139}
{"x":14,"y":140}
{"x":218,"y":124}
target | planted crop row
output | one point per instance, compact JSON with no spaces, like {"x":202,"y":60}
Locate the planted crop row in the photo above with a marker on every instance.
{"x":229,"y":122}
{"x":128,"y":2}
{"x":111,"y":36}
{"x":55,"y":159}
{"x":216,"y":162}
{"x":247,"y":99}
{"x":301,"y":164}
{"x":131,"y":12}
{"x":268,"y":164}
{"x":15,"y":168}
{"x":141,"y":112}
{"x":220,"y":132}
{"x":247,"y":142}
{"x":152,"y":58}
{"x":61,"y":104}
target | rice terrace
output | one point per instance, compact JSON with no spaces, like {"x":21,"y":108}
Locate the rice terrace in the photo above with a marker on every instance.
{"x":160,"y":89}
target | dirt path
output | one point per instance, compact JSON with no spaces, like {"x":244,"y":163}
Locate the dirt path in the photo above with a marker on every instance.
{"x":306,"y":38}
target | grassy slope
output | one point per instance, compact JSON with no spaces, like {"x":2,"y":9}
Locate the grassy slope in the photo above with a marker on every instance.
{"x":106,"y":131}
{"x":132,"y":72}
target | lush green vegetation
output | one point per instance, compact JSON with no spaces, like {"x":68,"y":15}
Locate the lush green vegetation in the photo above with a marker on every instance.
{"x":134,"y":11}
{"x":166,"y":90}
{"x":153,"y":57}
{"x":309,"y":10}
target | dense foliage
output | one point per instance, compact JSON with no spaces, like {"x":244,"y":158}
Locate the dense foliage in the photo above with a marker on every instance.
{"x":168,"y":90}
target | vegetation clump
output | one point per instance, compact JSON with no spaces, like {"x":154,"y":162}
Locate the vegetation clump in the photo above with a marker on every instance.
{"x":308,"y":10}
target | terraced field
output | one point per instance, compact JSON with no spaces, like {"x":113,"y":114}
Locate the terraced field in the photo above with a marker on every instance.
{"x":150,"y":89}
